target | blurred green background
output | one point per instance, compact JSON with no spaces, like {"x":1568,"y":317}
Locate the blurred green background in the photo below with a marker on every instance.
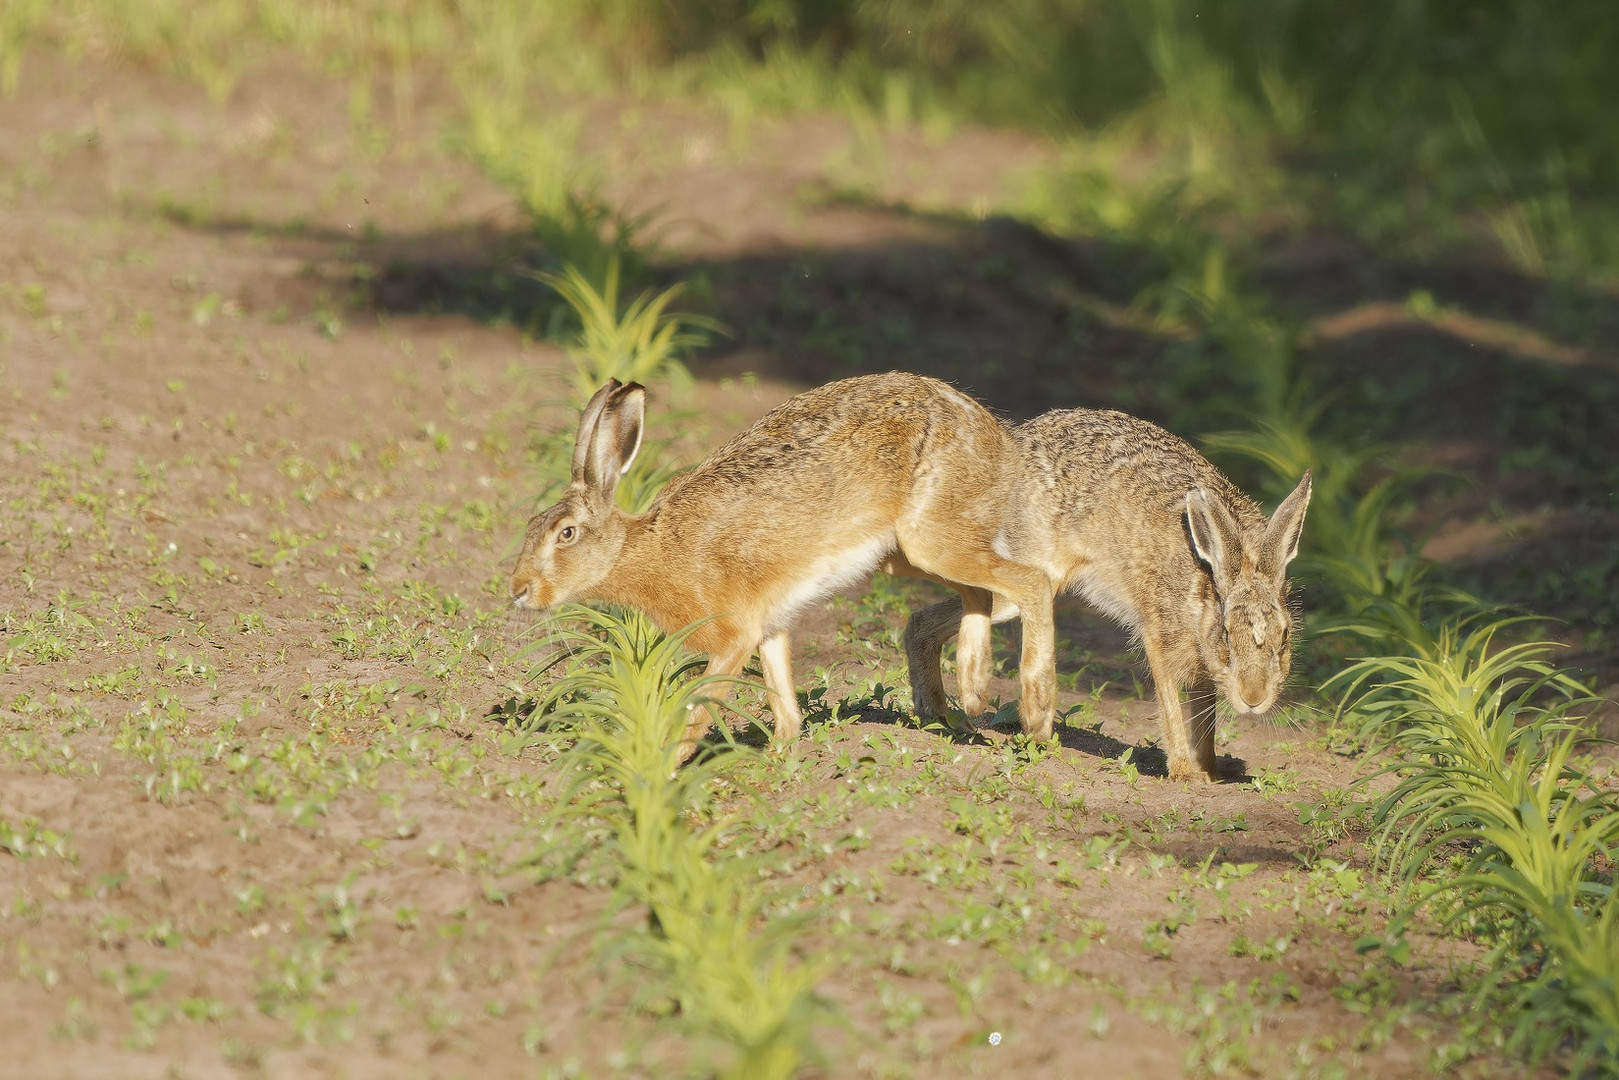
{"x":1402,"y":113}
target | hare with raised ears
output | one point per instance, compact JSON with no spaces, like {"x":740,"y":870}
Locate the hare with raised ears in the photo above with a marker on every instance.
{"x":894,"y":472}
{"x":1138,"y":523}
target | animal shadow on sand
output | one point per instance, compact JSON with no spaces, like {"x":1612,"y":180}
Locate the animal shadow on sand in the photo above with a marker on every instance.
{"x":1149,"y":760}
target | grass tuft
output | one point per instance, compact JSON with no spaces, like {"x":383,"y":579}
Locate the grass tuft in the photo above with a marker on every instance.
{"x":641,"y":343}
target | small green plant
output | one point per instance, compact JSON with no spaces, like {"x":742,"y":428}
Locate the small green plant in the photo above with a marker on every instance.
{"x":642,"y":343}
{"x":28,"y":838}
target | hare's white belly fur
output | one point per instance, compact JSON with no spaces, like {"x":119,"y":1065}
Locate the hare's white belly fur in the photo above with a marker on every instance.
{"x":825,"y":576}
{"x":1105,"y":590}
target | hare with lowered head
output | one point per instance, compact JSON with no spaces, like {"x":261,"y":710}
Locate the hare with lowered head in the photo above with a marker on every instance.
{"x":894,"y":471}
{"x":1138,"y":523}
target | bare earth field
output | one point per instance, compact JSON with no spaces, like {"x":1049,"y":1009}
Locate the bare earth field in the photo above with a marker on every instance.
{"x":261,"y":479}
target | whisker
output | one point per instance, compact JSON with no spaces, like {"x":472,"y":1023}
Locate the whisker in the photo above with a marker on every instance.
{"x":1290,"y":716}
{"x":1210,"y":707}
{"x":1197,"y":715}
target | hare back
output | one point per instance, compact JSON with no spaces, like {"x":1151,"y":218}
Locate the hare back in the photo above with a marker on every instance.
{"x":876,"y":444}
{"x":1088,"y":462}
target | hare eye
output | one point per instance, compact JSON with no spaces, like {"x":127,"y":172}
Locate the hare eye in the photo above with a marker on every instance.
{"x":566,"y":535}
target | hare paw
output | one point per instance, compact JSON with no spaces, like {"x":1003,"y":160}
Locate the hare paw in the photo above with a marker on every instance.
{"x":1185,"y":769}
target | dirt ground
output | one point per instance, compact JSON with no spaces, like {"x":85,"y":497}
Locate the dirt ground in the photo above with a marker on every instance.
{"x":262,"y":476}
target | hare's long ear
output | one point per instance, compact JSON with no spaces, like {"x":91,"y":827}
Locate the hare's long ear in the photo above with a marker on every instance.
{"x":586,"y":436}
{"x":1215,"y":536}
{"x":1286,"y":527}
{"x":616,"y":439}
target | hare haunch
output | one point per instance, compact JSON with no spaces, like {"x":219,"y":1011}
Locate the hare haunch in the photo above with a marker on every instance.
{"x":894,"y":472}
{"x":1140,"y":524}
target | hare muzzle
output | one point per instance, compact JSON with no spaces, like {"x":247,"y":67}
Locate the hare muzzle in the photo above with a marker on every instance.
{"x":530,"y":594}
{"x":1252,"y":697}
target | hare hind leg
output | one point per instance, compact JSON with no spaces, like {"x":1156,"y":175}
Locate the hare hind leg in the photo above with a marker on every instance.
{"x":926,"y":631}
{"x":1037,"y":666}
{"x":978,"y":573}
{"x":1024,"y":592}
{"x":776,"y":658}
{"x":975,"y":656}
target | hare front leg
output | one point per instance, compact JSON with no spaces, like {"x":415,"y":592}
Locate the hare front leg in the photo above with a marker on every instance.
{"x":1037,"y":666}
{"x":1201,"y":702}
{"x":1177,"y":739}
{"x":727,"y":661}
{"x":776,"y":658}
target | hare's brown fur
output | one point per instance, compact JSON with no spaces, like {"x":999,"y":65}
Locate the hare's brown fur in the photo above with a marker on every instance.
{"x":1138,"y":523}
{"x":895,"y":471}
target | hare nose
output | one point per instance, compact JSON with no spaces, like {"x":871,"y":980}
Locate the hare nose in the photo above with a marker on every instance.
{"x":519,"y":593}
{"x":1251,"y":697}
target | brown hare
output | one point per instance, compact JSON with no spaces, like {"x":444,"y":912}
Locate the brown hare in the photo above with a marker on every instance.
{"x":895,"y":472}
{"x":1140,"y":524}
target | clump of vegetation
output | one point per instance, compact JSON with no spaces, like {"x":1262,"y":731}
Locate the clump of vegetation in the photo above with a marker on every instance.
{"x":1495,"y":823}
{"x":628,"y":689}
{"x":642,"y":343}
{"x":1392,"y":119}
{"x":1385,"y":109}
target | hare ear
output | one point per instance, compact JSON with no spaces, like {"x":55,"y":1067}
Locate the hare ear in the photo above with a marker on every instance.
{"x":1286,"y":527}
{"x":586,"y":436}
{"x":616,"y":438}
{"x":1213,"y":533}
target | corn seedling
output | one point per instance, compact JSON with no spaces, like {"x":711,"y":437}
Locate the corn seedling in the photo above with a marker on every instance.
{"x":1484,"y":742}
{"x":642,"y":343}
{"x":631,"y":690}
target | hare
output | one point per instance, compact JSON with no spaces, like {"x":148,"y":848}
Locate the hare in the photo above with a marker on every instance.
{"x":1144,"y":528}
{"x":895,"y":472}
